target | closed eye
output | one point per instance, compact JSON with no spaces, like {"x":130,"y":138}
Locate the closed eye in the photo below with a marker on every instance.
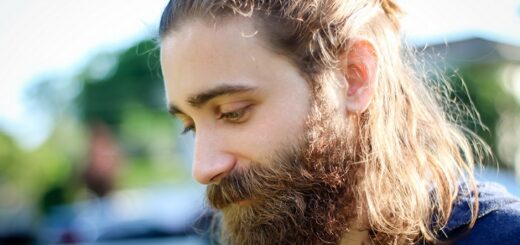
{"x":236,"y":116}
{"x":189,"y":128}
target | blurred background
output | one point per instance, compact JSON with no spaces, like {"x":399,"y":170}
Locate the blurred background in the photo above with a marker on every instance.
{"x":88,"y":152}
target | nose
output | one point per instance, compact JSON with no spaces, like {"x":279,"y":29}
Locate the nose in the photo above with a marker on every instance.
{"x":210,"y":161}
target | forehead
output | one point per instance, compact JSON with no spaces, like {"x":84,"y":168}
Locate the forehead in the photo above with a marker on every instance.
{"x":201,"y":55}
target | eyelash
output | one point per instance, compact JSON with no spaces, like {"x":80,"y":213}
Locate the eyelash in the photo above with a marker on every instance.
{"x":188,"y":129}
{"x":232,"y":117}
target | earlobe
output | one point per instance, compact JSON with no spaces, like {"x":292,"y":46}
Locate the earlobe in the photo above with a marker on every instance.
{"x":360,"y":70}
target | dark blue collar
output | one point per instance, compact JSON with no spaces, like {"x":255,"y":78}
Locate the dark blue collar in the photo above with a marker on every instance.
{"x":491,"y":197}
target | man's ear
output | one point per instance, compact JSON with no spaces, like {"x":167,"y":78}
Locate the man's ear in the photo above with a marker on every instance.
{"x":359,"y":66}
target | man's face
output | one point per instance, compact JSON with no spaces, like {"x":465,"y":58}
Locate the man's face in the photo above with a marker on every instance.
{"x":243,"y":100}
{"x":274,"y":154}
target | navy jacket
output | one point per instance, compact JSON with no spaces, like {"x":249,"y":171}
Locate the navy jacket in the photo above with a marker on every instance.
{"x":498,"y":218}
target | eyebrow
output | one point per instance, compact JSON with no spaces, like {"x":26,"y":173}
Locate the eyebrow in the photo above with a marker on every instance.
{"x":202,"y":98}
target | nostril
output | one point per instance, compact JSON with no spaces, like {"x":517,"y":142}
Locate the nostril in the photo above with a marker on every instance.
{"x":216,"y":179}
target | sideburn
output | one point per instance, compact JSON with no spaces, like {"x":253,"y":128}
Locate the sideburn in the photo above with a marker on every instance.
{"x":306,"y":195}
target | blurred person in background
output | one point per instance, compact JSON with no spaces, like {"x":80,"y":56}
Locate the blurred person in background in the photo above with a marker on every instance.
{"x":311,"y":127}
{"x":103,"y":161}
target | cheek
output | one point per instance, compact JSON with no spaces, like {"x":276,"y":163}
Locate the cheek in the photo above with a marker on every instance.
{"x":266,"y":135}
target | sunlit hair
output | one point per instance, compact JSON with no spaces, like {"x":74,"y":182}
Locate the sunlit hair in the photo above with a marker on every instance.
{"x":412,"y":148}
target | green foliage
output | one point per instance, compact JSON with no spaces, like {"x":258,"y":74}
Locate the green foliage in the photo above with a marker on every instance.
{"x":31,"y":174}
{"x":122,"y":90}
{"x":125,"y":91}
{"x":9,"y":154}
{"x":485,"y":91}
{"x":132,"y":77}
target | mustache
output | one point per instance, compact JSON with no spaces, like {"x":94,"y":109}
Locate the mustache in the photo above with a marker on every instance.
{"x":259,"y":181}
{"x":244,"y":184}
{"x":233,"y":188}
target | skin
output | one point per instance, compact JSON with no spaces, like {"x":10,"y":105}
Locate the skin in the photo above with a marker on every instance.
{"x":237,"y":128}
{"x":199,"y":58}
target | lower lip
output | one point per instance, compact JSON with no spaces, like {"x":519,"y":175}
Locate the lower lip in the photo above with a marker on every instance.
{"x":244,"y":202}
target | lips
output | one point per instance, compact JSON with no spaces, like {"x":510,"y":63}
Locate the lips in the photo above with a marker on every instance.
{"x":244,"y":202}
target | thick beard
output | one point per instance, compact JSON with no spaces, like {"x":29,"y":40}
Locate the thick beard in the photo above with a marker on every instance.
{"x":306,"y":195}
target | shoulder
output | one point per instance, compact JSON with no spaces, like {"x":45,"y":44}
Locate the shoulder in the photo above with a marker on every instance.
{"x":501,"y":226}
{"x":498,"y":220}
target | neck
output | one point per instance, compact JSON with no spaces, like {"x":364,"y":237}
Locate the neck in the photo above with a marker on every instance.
{"x":355,"y":237}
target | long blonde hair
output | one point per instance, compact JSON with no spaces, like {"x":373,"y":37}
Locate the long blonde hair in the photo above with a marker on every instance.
{"x":413,"y":150}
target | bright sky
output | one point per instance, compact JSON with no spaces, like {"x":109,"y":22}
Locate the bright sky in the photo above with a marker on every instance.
{"x":39,"y":38}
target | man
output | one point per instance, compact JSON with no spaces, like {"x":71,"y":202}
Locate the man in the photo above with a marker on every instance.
{"x":311,"y":129}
